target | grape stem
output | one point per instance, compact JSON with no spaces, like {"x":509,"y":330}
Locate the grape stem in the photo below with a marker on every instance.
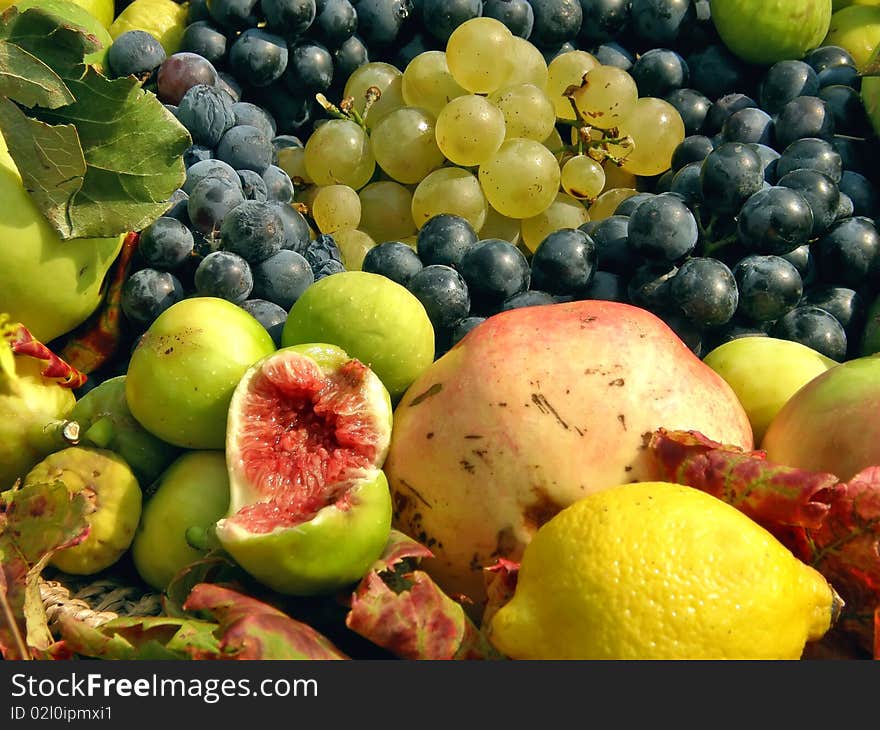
{"x":595,"y":148}
{"x":346,"y":109}
{"x":707,"y":232}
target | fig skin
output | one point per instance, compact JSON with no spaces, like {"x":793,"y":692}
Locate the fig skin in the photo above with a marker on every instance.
{"x":114,"y":494}
{"x":33,"y":414}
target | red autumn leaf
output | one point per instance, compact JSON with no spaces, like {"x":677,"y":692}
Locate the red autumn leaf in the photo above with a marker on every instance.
{"x":251,"y":629}
{"x":96,"y":341}
{"x":35,"y":522}
{"x":404,"y":611}
{"x":23,"y":343}
{"x":832,"y":525}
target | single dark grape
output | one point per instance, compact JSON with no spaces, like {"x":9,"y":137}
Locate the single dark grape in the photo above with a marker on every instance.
{"x":775,"y":220}
{"x":692,"y":107}
{"x":290,"y":18}
{"x":252,"y":185}
{"x":443,"y":293}
{"x":749,"y":125}
{"x":271,"y":316}
{"x":181,"y":71}
{"x":135,"y":53}
{"x":234,"y":14}
{"x":209,"y":168}
{"x":517,"y":15}
{"x":256,"y":116}
{"x":811,"y":153}
{"x":177,"y":202}
{"x":564,"y":263}
{"x":858,"y":155}
{"x":805,"y":116}
{"x":206,"y":112}
{"x":663,"y":228}
{"x":784,"y":81}
{"x":603,"y":20}
{"x":197,"y":10}
{"x":606,"y":286}
{"x":803,"y":260}
{"x":279,"y":186}
{"x":147,"y":293}
{"x":258,"y":56}
{"x":204,"y":38}
{"x":555,"y":22}
{"x":723,"y":108}
{"x":310,"y":69}
{"x":196,"y":153}
{"x":844,"y":207}
{"x":659,"y":72}
{"x":211,"y":200}
{"x":253,"y":230}
{"x":494,"y":270}
{"x":336,"y":20}
{"x":244,"y":147}
{"x":844,"y":304}
{"x":165,"y":244}
{"x":282,"y":278}
{"x":614,"y":54}
{"x":323,"y":256}
{"x":613,"y":252}
{"x":840,"y":76}
{"x":225,"y":275}
{"x":815,"y":328}
{"x":848,"y":253}
{"x":825,"y":57}
{"x":528,"y":298}
{"x":462,"y":327}
{"x":380,"y":21}
{"x":351,"y":55}
{"x":705,"y":291}
{"x":441,"y":17}
{"x":660,"y":21}
{"x":731,"y":173}
{"x":716,"y":72}
{"x":821,"y":193}
{"x":296,"y":229}
{"x":394,"y":260}
{"x":628,"y":205}
{"x":847,"y":109}
{"x":686,"y":183}
{"x":445,"y":239}
{"x":769,"y":160}
{"x":769,"y":286}
{"x":861,"y":191}
{"x":648,"y":286}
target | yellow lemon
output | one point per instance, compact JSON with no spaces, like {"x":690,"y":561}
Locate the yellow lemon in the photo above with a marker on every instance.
{"x":653,"y":570}
{"x":163,"y":19}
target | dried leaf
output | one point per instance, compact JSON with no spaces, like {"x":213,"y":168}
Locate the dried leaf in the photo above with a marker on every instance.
{"x":251,"y":629}
{"x":500,"y":580}
{"x":405,"y":612}
{"x":216,"y":567}
{"x":35,"y":522}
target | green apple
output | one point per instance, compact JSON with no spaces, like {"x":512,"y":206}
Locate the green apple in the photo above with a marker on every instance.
{"x":765,"y":372}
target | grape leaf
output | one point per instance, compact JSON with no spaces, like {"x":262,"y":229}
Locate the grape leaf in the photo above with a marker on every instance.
{"x":832,"y":525}
{"x":35,"y":522}
{"x":251,"y":629}
{"x":104,"y":163}
{"x":404,"y":611}
{"x":29,"y":81}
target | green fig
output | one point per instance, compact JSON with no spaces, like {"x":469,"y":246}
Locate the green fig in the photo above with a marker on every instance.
{"x":114,"y":495}
{"x":106,"y":422}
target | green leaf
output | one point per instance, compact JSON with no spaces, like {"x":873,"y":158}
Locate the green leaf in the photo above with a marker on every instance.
{"x":106,"y":162}
{"x":27,"y":80}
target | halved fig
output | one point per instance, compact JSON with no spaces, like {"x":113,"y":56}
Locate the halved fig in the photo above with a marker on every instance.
{"x":307,"y":434}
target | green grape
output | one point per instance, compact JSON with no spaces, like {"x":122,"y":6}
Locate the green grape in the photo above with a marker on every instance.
{"x":450,"y":190}
{"x":606,"y":96}
{"x":607,"y":202}
{"x":528,"y":111}
{"x":500,"y":226}
{"x":386,"y":78}
{"x":582,"y":177}
{"x":335,"y":207}
{"x":427,"y":83}
{"x":339,"y":151}
{"x":470,"y":129}
{"x":656,"y":129}
{"x":479,"y":54}
{"x":293,"y":161}
{"x":386,"y":211}
{"x":353,"y":245}
{"x":567,"y":69}
{"x":564,"y":212}
{"x":521,"y":179}
{"x":405,"y":145}
{"x":529,"y":66}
